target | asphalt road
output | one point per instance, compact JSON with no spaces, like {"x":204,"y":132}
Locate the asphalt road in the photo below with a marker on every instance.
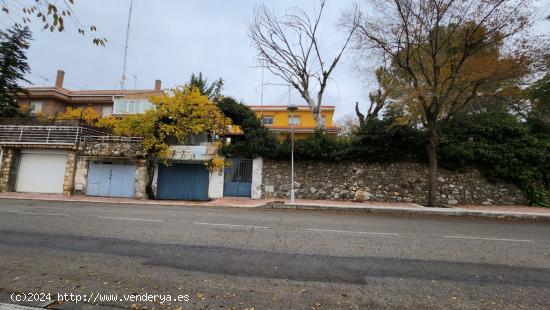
{"x":225,"y":258}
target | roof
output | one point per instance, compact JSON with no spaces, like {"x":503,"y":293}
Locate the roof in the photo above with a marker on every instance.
{"x":287,"y":128}
{"x":105,"y":92}
{"x":284,"y":107}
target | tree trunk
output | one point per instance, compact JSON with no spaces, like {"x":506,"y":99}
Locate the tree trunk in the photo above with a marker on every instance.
{"x":360,"y":115}
{"x":432,"y":158}
{"x":150,"y":177}
{"x":319,"y":120}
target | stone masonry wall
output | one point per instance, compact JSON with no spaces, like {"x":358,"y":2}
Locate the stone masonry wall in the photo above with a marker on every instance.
{"x":7,"y":173}
{"x":383,"y":182}
{"x":111,"y":149}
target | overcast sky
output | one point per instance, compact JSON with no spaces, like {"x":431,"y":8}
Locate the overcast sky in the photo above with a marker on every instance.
{"x":170,"y":39}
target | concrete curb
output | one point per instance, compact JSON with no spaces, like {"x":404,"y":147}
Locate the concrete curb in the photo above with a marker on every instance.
{"x":421,"y":211}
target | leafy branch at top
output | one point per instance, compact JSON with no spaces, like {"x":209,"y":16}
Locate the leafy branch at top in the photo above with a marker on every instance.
{"x":51,"y":14}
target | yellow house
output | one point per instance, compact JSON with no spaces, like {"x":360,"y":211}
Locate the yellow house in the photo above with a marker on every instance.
{"x":277,"y":118}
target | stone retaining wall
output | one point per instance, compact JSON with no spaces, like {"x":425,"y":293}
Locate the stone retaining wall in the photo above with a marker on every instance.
{"x":383,"y":182}
{"x":111,"y":149}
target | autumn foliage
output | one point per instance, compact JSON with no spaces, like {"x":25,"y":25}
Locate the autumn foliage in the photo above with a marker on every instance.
{"x":178,"y":114}
{"x":88,"y":115}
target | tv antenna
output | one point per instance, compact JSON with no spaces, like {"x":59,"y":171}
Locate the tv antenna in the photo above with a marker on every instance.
{"x":123,"y":78}
{"x":135,"y":80}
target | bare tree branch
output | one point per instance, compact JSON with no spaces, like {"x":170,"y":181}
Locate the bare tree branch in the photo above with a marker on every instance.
{"x":289,"y":47}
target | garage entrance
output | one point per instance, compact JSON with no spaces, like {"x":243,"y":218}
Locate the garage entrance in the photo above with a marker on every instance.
{"x":41,"y":171}
{"x":111,"y":179}
{"x":182,"y":181}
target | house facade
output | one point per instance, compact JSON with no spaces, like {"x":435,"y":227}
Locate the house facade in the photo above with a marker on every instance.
{"x":279,"y":120}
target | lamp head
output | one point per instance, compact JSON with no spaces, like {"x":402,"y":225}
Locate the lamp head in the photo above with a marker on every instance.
{"x":292,"y":107}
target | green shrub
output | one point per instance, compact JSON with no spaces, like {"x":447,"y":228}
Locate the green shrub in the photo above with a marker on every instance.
{"x":381,"y":141}
{"x":256,"y":141}
{"x":502,"y":147}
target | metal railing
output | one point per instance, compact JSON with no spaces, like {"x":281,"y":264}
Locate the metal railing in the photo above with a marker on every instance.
{"x":64,"y":135}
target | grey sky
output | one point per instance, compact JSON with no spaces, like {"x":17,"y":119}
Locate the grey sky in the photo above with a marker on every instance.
{"x":170,"y":39}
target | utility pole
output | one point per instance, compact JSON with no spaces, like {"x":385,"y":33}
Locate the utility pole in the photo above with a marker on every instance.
{"x":291,"y":107}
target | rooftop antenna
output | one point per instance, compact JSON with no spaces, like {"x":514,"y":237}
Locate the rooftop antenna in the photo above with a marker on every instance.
{"x":123,"y":78}
{"x":135,"y":80}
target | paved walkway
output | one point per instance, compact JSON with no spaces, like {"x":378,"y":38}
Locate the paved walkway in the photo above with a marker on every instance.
{"x":395,"y":208}
{"x":6,"y":306}
{"x":224,"y":202}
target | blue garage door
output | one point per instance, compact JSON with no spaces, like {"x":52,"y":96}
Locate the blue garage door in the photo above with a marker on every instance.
{"x":182,"y":181}
{"x":111,"y":179}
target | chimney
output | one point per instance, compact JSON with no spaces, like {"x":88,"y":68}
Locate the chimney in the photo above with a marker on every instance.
{"x":157,"y":84}
{"x":59,"y":78}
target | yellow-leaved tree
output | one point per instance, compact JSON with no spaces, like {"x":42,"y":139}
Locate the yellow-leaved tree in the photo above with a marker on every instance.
{"x":89,"y":115}
{"x":177,"y":114}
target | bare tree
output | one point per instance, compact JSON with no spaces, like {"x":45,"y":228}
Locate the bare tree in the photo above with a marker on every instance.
{"x":348,"y":125}
{"x":289,"y":47}
{"x":447,"y":51}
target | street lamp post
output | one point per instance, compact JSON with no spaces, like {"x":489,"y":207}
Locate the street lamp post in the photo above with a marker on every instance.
{"x":292,"y":108}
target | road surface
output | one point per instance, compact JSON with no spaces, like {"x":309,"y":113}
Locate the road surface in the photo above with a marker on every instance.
{"x":224,"y":258}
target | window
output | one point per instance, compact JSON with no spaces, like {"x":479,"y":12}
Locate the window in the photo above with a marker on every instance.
{"x":131,"y":106}
{"x":106,"y":110}
{"x":296,"y":120}
{"x":267,"y":120}
{"x":36,"y":107}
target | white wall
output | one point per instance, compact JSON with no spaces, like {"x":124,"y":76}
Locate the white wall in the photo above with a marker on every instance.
{"x":256,"y":190}
{"x":141,"y":178}
{"x":215,"y":186}
{"x":155,"y":179}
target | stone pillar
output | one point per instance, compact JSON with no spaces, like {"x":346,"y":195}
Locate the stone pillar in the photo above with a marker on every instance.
{"x":81,"y":175}
{"x":141,"y":178}
{"x":68,"y":182}
{"x":257,"y":167}
{"x":8,"y":173}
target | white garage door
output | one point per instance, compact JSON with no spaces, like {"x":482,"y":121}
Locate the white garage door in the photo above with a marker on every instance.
{"x":41,"y":171}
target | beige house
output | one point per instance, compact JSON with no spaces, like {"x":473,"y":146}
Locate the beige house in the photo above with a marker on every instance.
{"x":50,"y":101}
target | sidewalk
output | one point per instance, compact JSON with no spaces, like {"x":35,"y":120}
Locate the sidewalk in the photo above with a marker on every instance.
{"x":235,"y":202}
{"x":518,"y":213}
{"x":522,"y":213}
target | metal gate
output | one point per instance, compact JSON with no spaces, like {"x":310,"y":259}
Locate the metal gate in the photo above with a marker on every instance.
{"x":238,"y":177}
